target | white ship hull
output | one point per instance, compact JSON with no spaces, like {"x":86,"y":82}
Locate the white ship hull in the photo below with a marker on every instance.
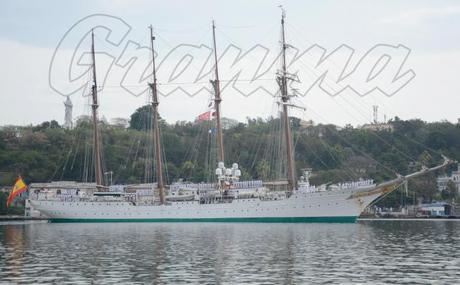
{"x":325,"y":206}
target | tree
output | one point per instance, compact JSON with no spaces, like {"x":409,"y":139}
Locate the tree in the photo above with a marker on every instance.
{"x":47,"y":152}
{"x":262,"y":169}
{"x":141,"y":118}
{"x":188,"y":168}
{"x":424,"y":186}
{"x":17,"y":208}
{"x":452,"y":191}
{"x":425,"y":158}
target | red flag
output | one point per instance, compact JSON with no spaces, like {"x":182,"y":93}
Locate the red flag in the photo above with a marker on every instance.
{"x":206,"y":116}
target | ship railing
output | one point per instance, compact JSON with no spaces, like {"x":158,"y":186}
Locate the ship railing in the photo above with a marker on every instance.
{"x":212,"y":186}
{"x":192,"y":186}
{"x":356,"y":184}
{"x":272,"y":196}
{"x":309,"y":189}
{"x":210,"y":199}
{"x":248,"y":184}
{"x":63,"y":198}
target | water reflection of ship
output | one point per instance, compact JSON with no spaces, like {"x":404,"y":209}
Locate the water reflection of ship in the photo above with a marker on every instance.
{"x":228,"y":198}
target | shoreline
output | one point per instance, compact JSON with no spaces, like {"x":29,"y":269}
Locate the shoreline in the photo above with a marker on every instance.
{"x":20,"y":218}
{"x":24,"y":218}
{"x":410,"y":219}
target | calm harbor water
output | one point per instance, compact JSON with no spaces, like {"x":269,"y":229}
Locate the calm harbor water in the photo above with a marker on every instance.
{"x":377,"y":252}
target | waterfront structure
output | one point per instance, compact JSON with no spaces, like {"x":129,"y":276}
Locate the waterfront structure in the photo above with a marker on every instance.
{"x":435,"y":209}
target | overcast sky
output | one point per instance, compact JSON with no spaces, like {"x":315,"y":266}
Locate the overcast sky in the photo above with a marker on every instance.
{"x":420,"y":80}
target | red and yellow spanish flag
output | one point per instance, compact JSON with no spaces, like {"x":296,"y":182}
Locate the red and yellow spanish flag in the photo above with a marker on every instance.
{"x":18,"y":188}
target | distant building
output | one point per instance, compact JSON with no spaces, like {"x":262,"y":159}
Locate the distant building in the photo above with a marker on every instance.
{"x":436,"y":209}
{"x":306,"y":124}
{"x":5,"y":189}
{"x":414,"y":166}
{"x":104,"y":120}
{"x":119,"y":122}
{"x":376,"y":125}
{"x":454,"y":177}
{"x":82,"y":119}
{"x":15,"y":130}
{"x":68,"y":123}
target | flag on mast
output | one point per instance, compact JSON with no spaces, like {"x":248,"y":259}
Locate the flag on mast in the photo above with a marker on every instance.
{"x":18,"y":188}
{"x":206,"y":116}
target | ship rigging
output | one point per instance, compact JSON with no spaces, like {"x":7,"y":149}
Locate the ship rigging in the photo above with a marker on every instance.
{"x":228,"y":200}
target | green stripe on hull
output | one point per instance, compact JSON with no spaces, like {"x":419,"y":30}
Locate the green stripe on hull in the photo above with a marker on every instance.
{"x":349,"y":219}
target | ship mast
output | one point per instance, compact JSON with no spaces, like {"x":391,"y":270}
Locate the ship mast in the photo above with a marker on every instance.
{"x":282,"y":82}
{"x":95,"y":106}
{"x":217,"y":98}
{"x":156,"y":130}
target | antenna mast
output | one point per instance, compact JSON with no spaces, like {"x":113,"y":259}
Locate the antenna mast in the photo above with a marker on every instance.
{"x":282,"y":82}
{"x":95,"y":106}
{"x":156,"y":130}
{"x":375,"y":115}
{"x":217,"y":99}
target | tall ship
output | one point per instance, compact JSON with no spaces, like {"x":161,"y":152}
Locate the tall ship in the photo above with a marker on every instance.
{"x":228,"y":199}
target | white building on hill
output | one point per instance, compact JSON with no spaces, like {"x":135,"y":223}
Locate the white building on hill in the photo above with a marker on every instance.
{"x":454,"y":177}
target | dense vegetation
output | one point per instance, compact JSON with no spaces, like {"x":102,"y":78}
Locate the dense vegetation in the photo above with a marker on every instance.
{"x":17,"y":208}
{"x":49,"y":152}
